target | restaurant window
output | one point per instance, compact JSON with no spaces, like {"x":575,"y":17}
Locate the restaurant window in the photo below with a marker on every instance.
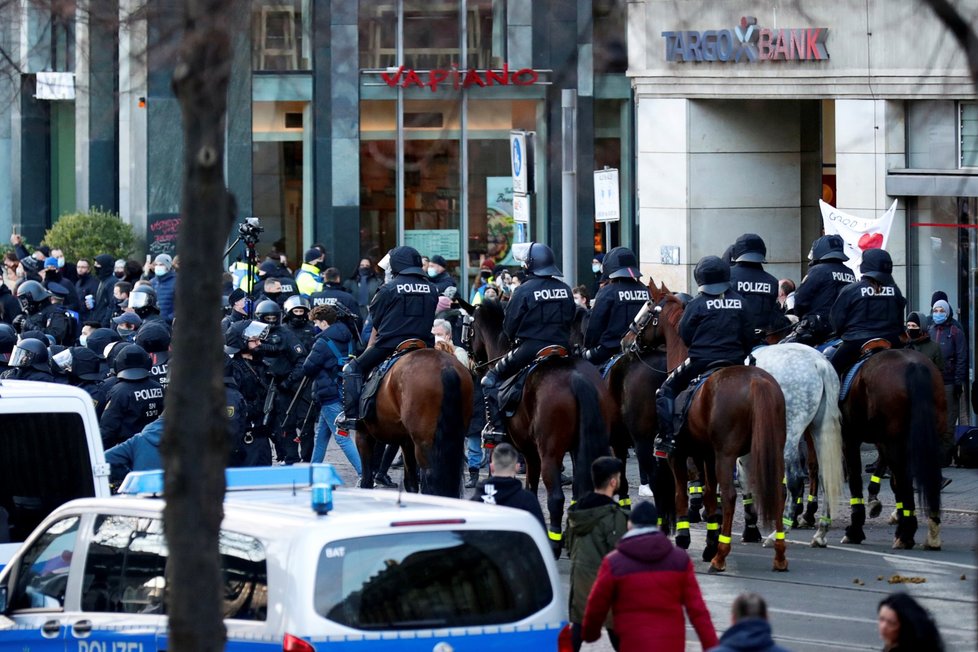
{"x":281,"y":35}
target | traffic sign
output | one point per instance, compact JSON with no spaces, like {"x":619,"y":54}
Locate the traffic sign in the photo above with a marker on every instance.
{"x":521,"y":161}
{"x":607,"y":205}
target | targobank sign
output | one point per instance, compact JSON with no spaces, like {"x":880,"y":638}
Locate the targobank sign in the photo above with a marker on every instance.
{"x":747,"y":43}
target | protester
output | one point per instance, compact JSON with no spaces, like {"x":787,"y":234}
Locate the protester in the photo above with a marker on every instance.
{"x":502,"y":487}
{"x":363,"y":285}
{"x":750,"y":630}
{"x":954,"y":349}
{"x":905,"y":626}
{"x":165,"y":284}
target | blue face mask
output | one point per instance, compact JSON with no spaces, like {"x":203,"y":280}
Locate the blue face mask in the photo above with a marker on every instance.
{"x":595,"y":268}
{"x":939,"y":317}
{"x":432,"y":273}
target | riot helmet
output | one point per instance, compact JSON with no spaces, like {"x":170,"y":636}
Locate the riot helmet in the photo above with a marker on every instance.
{"x":828,"y":247}
{"x":749,"y":248}
{"x":240,"y":332}
{"x":142,"y":300}
{"x":133,"y":363}
{"x":712,"y":275}
{"x":30,"y":353}
{"x":300,"y":305}
{"x":99,"y":339}
{"x":405,"y":260}
{"x":32,"y":296}
{"x":268,"y":311}
{"x":154,"y":337}
{"x":621,"y":262}
{"x":538,"y":259}
{"x":877,"y":265}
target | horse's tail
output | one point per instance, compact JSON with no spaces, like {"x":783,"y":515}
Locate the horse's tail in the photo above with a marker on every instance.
{"x":592,"y":431}
{"x":448,"y":449}
{"x":828,"y":435}
{"x":767,"y":448}
{"x":925,"y":466}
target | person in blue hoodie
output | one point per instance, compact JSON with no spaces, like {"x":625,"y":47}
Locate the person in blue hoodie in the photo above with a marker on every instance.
{"x":750,"y":631}
{"x":330,"y":351}
{"x":141,"y":452}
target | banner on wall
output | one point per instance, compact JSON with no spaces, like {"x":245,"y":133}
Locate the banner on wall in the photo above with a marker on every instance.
{"x":859,"y":233}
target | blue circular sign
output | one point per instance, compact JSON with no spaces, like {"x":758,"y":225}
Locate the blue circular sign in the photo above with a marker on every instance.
{"x":517,"y":157}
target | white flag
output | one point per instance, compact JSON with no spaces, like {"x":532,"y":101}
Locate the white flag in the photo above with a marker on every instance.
{"x":859,"y":233}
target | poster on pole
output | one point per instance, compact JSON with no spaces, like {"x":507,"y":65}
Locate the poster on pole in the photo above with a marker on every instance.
{"x":521,"y":161}
{"x":859,"y":233}
{"x":521,"y":209}
{"x":607,"y":205}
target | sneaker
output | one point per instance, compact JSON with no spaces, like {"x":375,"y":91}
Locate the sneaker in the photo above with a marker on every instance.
{"x":645,"y":491}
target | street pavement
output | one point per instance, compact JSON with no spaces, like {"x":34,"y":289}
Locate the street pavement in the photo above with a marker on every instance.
{"x":828,"y":598}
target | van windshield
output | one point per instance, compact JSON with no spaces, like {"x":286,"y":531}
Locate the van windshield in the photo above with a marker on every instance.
{"x":44,"y":463}
{"x":432,"y":580}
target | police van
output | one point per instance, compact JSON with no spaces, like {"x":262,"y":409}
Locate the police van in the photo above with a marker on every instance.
{"x":304,"y":569}
{"x":50,"y":453}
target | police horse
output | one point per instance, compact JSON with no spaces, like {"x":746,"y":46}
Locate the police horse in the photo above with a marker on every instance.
{"x":565,"y":407}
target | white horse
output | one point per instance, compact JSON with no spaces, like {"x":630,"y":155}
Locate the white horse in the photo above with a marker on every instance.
{"x":811,"y":397}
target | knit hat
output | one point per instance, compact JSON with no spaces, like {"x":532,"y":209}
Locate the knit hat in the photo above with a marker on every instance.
{"x":268,"y":267}
{"x":941,"y":303}
{"x":914,"y":318}
{"x":439,"y":260}
{"x":312,"y":254}
{"x":236,"y":295}
{"x":444,"y":303}
{"x":165,"y":260}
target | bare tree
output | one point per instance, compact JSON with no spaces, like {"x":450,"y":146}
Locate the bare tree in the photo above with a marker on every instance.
{"x":962,"y":30}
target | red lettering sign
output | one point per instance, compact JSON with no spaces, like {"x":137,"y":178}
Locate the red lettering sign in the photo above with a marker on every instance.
{"x":439,"y":78}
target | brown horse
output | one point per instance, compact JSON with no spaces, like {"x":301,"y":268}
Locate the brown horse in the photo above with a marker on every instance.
{"x":565,"y":408}
{"x":897,"y":403}
{"x":738,"y":410}
{"x":424,"y":404}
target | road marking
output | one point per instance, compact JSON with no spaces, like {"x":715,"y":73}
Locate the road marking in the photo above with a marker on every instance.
{"x":899,"y":558}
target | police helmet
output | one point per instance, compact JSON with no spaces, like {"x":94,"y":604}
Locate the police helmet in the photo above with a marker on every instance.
{"x":79,"y":362}
{"x":296,"y":301}
{"x":268,"y":311}
{"x":99,"y":338}
{"x":30,"y":353}
{"x":877,"y":265}
{"x":828,"y":247}
{"x":142,"y":297}
{"x":749,"y":248}
{"x":31,"y":294}
{"x":405,"y":260}
{"x":237,"y":335}
{"x":539,"y":260}
{"x":154,"y":337}
{"x":621,"y":262}
{"x":8,"y":339}
{"x":133,"y":363}
{"x":712,"y":275}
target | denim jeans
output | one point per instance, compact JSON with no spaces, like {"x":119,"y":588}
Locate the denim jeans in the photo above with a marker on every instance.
{"x":324,"y":430}
{"x":473,"y":452}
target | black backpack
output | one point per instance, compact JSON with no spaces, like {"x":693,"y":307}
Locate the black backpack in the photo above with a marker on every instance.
{"x":967,"y":449}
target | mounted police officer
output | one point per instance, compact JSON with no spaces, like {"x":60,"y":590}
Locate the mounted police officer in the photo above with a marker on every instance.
{"x":403,"y":309}
{"x":615,"y":307}
{"x":29,"y":361}
{"x":758,"y":288}
{"x":39,"y":313}
{"x":872,"y":308}
{"x":134,"y":401}
{"x":716,"y":326}
{"x":539,"y":314}
{"x":827,"y":277}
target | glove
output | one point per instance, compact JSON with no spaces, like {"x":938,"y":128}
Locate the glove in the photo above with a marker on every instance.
{"x":18,"y":322}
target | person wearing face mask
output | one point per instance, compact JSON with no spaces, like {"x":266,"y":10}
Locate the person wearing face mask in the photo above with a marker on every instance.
{"x":307,"y":278}
{"x":596,"y":270}
{"x":242,"y":343}
{"x":126,"y":326}
{"x":165,"y":284}
{"x":119,"y":269}
{"x":438,"y":275}
{"x":363,"y":285}
{"x":238,"y":302}
{"x":121,"y":293}
{"x":53,"y":274}
{"x":296,"y":317}
{"x":920,"y":341}
{"x":85,"y":286}
{"x":104,"y":301}
{"x":954,"y":347}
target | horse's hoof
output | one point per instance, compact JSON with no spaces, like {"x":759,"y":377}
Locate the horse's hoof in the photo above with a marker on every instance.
{"x":780,"y":567}
{"x":818,"y":541}
{"x":853,"y":539}
{"x":751,"y":534}
{"x":714,"y":569}
{"x":875,"y":507}
{"x":894,"y":518}
{"x":709,"y":552}
{"x":682,"y":541}
{"x":903,"y":544}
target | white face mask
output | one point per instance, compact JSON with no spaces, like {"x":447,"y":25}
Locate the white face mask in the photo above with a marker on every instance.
{"x":160,"y":270}
{"x":61,"y":262}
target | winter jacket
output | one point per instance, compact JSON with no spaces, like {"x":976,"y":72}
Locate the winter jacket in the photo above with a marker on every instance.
{"x":929,"y":348}
{"x":166,"y":287}
{"x":369,"y":285}
{"x":104,"y":299}
{"x":748,"y":635}
{"x":647,"y":583}
{"x":141,"y":452}
{"x":322,"y":364}
{"x":508,"y":492}
{"x":594,"y":526}
{"x":954,"y":348}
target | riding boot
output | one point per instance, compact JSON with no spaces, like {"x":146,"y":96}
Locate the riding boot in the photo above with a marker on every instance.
{"x":493,"y":432}
{"x":346,"y":422}
{"x":665,"y":442}
{"x":473,"y":478}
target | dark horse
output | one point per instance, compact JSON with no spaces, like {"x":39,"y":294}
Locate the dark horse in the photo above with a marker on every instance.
{"x":424,"y":404}
{"x":738,"y":410}
{"x":565,"y":407}
{"x":897,"y":403}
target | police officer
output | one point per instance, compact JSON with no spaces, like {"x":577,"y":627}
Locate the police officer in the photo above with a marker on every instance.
{"x":236,"y":409}
{"x":81,"y":366}
{"x":615,"y":307}
{"x":296,"y":319}
{"x":134,"y":401}
{"x":758,"y":289}
{"x":29,"y":361}
{"x":155,"y":340}
{"x":402,"y":309}
{"x":282,"y":353}
{"x":308,"y":278}
{"x":827,"y":277}
{"x":8,"y":340}
{"x":240,"y":310}
{"x":143,"y":302}
{"x":715,"y":326}
{"x":333,"y":292}
{"x":873,"y":307}
{"x":39,"y":313}
{"x":539,"y":315}
{"x":242,"y":343}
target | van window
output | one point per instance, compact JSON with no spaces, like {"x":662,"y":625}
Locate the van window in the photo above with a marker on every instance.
{"x":42,"y":574}
{"x":426,"y":580}
{"x":44,"y":463}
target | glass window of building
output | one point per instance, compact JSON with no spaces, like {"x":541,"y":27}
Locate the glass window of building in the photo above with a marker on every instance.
{"x":281,"y":35}
{"x":968,"y":140}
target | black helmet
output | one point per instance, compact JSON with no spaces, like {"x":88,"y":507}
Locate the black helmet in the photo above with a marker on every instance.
{"x":268,"y":311}
{"x":296,"y":301}
{"x":133,"y":363}
{"x":99,"y":338}
{"x":153,"y":336}
{"x":828,"y":247}
{"x":749,"y":248}
{"x":712,"y":275}
{"x":237,"y":335}
{"x":877,"y":265}
{"x":405,"y":260}
{"x":30,"y":353}
{"x":621,"y":263}
{"x":8,"y":339}
{"x":539,"y":260}
{"x":31,"y":295}
{"x":142,"y":298}
{"x":79,"y":362}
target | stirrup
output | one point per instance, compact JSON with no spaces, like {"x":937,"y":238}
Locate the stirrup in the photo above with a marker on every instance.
{"x":664,"y":447}
{"x":491,"y":437}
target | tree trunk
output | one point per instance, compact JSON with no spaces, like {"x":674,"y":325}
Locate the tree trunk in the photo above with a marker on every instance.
{"x":194,"y":445}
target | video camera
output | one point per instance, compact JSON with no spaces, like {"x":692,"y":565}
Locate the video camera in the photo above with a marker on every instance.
{"x":249,"y":230}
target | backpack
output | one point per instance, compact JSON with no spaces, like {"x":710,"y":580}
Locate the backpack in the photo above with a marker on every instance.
{"x":967,"y":449}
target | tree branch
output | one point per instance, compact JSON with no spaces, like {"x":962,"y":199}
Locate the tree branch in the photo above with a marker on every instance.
{"x":962,"y":31}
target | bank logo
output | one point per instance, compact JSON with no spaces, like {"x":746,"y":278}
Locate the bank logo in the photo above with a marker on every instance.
{"x":748,"y":43}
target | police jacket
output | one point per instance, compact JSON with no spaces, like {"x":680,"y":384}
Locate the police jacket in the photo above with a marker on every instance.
{"x":130,"y":405}
{"x":443,"y":281}
{"x":333,"y":293}
{"x":403,"y":309}
{"x":612,"y":312}
{"x":863,"y":312}
{"x":161,"y":368}
{"x":760,"y":293}
{"x":232,"y":318}
{"x":821,"y":287}
{"x":542,"y":309}
{"x":282,"y":352}
{"x":323,"y":365}
{"x":308,"y":279}
{"x":305,"y":332}
{"x":251,"y":379}
{"x":53,"y":320}
{"x":237,"y":411}
{"x":28,"y":373}
{"x":717,"y":327}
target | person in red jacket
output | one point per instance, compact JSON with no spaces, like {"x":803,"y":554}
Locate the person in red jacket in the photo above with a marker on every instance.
{"x":647,"y":582}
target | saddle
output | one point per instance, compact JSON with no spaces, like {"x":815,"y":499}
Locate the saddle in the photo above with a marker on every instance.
{"x":685,"y":398}
{"x":368,"y":397}
{"x":511,"y":389}
{"x":866,"y":352}
{"x":606,"y":367}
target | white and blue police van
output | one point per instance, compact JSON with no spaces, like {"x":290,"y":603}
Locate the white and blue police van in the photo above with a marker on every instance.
{"x":50,"y":453}
{"x":305,"y":568}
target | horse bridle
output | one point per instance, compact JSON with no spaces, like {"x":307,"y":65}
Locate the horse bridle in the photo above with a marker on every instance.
{"x":649,"y":314}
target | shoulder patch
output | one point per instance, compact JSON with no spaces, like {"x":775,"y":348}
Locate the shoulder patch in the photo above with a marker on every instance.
{"x":230,"y":411}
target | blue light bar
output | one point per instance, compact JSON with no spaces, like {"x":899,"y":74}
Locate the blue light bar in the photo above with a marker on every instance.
{"x":238,"y":479}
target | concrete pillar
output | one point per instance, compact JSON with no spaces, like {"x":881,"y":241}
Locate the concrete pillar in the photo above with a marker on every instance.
{"x":344,"y":137}
{"x":132,"y":117}
{"x":239,"y":118}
